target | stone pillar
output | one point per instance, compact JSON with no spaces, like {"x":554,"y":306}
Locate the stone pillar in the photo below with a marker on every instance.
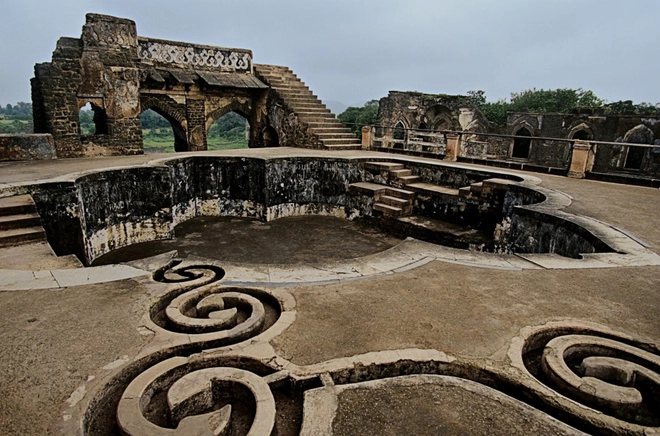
{"x":453,"y":146}
{"x":367,"y":137}
{"x":582,"y":159}
{"x":195,"y":117}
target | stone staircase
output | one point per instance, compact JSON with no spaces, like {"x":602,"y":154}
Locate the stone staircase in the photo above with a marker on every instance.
{"x":394,"y":197}
{"x":388,"y":200}
{"x":19,"y":221}
{"x":331,"y":132}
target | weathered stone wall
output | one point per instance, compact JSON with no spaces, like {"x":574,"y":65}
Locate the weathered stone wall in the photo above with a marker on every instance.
{"x":535,"y":232}
{"x":99,"y":212}
{"x":99,"y":68}
{"x":122,"y":75}
{"x":26,"y":147}
{"x":590,"y":126}
{"x":415,"y":110}
{"x":286,"y":125}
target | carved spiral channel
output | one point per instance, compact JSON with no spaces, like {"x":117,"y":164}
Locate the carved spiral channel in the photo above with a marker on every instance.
{"x":613,"y":375}
{"x":176,"y":397}
{"x":173,"y":273}
{"x":203,"y":308}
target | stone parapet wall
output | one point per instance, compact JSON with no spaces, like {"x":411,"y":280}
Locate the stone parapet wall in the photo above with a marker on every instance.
{"x":95,"y":213}
{"x":182,"y":54}
{"x":26,"y":147}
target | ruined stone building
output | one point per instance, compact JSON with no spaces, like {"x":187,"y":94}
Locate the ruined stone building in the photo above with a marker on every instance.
{"x":121,"y":75}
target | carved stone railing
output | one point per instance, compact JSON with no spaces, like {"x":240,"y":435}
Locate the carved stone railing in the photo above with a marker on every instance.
{"x":181,"y":54}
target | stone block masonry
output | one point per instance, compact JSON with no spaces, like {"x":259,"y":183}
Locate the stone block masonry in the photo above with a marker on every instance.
{"x":26,"y":147}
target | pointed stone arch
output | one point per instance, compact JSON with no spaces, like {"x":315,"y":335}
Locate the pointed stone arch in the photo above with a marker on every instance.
{"x":581,"y":131}
{"x":172,"y":112}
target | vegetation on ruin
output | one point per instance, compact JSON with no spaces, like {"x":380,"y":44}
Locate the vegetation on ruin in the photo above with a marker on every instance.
{"x":558,"y":100}
{"x":356,"y":117}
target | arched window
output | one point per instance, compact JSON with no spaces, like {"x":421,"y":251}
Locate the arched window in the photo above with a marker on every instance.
{"x":582,"y":135}
{"x":522,"y":144}
{"x":399,"y":131}
{"x":92,"y":120}
{"x":229,"y":131}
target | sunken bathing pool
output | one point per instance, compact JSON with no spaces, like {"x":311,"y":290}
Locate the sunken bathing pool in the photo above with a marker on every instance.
{"x":93,"y":214}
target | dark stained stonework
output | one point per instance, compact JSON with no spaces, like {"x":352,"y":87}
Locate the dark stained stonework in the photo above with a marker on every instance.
{"x":26,"y":147}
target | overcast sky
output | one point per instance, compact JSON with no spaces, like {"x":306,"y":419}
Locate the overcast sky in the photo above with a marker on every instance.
{"x":352,"y":51}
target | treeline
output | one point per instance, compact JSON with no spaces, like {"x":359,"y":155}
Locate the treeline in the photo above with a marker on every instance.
{"x":16,"y":119}
{"x":356,"y":117}
{"x":562,"y":100}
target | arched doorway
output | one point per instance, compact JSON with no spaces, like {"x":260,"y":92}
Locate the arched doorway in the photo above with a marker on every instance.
{"x":522,"y":144}
{"x":161,"y":133}
{"x":230,"y":131}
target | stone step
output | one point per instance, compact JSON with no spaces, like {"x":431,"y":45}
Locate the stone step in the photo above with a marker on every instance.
{"x":309,"y":105}
{"x":315,"y":119}
{"x":430,"y":188}
{"x":20,"y":236}
{"x":388,"y":210}
{"x":394,"y":201}
{"x":477,"y":188}
{"x":400,"y":193}
{"x":367,"y":188}
{"x":342,"y":147}
{"x":341,"y":141}
{"x":497,"y":184}
{"x":304,"y":99}
{"x":383,"y":166}
{"x":400,"y":172}
{"x":318,"y":110}
{"x":18,"y":204}
{"x":408,"y":179}
{"x":325,"y":123}
{"x":319,"y":130}
{"x":19,"y":221}
{"x":343,"y":135}
{"x":465,"y":191}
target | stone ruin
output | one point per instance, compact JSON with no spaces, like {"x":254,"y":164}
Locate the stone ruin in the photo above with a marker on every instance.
{"x":122,"y":74}
{"x":427,"y":124}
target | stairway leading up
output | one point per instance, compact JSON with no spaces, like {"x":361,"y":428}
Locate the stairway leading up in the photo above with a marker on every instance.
{"x":19,"y":221}
{"x":331,"y":132}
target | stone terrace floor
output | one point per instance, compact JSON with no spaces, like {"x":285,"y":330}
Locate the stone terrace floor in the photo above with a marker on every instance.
{"x":58,"y":341}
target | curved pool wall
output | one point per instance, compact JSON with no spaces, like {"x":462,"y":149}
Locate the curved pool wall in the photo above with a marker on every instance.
{"x":93,"y":213}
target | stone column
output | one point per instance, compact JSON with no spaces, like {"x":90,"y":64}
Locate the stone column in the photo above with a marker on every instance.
{"x":582,"y":159}
{"x":367,"y":137}
{"x":453,"y":146}
{"x":196,"y":120}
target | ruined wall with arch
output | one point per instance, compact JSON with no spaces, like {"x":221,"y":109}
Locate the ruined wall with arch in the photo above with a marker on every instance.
{"x":415,"y":110}
{"x":589,"y":125}
{"x":121,"y":75}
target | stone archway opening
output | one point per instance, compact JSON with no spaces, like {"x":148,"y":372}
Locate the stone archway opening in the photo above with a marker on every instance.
{"x":582,"y":135}
{"x":161,"y":133}
{"x":92,"y":120}
{"x":157,"y":132}
{"x":522,"y":144}
{"x":230,"y":131}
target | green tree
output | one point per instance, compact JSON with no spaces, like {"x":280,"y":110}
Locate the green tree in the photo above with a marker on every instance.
{"x":356,"y":117}
{"x":535,"y":100}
